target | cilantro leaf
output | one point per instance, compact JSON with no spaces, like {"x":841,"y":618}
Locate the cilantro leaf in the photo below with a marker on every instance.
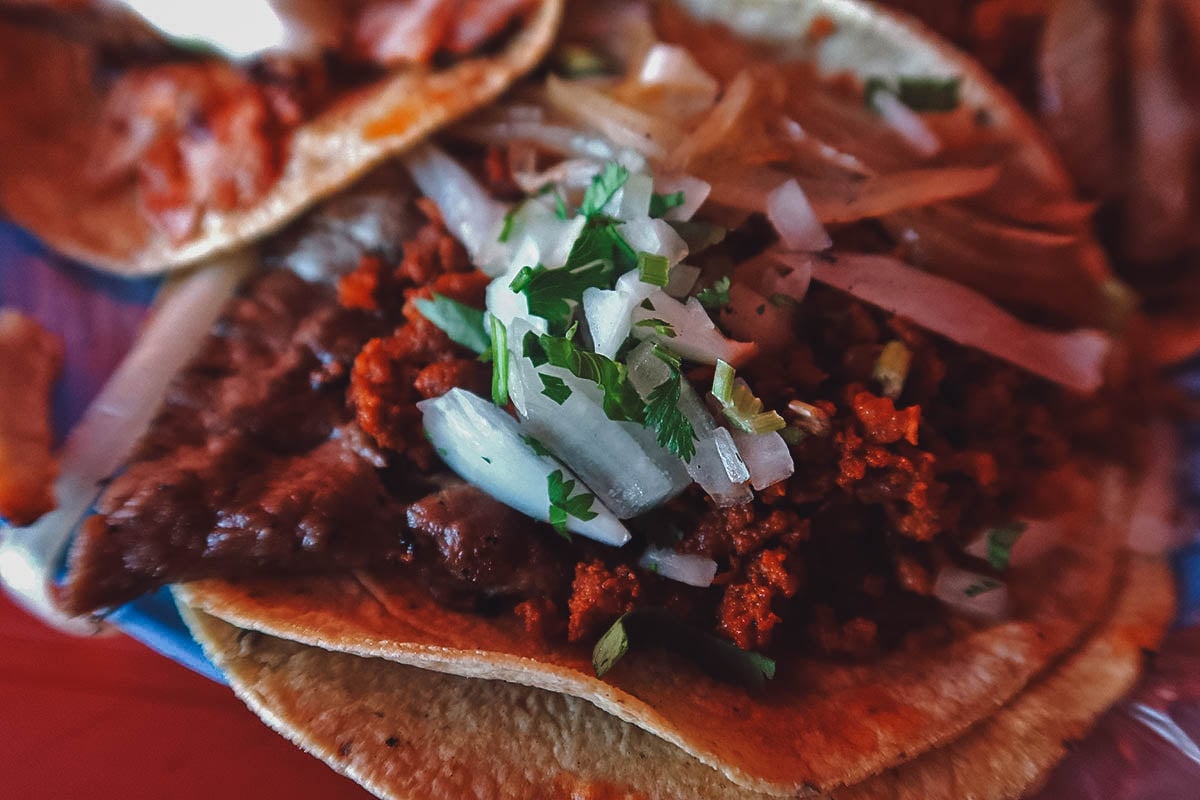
{"x":715,"y":296}
{"x":1000,"y":543}
{"x":550,"y":292}
{"x":463,"y":324}
{"x":918,"y":92}
{"x":509,"y":218}
{"x":535,"y":445}
{"x":982,"y":586}
{"x":660,"y":204}
{"x":657,"y":627}
{"x":661,"y":327}
{"x":621,"y":401}
{"x":563,"y":505}
{"x":555,"y":388}
{"x":602,"y":188}
{"x":664,"y":417}
{"x":499,"y":363}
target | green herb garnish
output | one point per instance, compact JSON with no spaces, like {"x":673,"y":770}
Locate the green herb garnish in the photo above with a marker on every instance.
{"x":891,"y":368}
{"x":555,"y":388}
{"x":535,"y":445}
{"x":661,"y":327}
{"x":550,"y":292}
{"x":715,"y":296}
{"x":739,"y":404}
{"x":660,"y":204}
{"x":506,"y":230}
{"x":463,"y":324}
{"x":602,"y":189}
{"x":563,"y":505}
{"x":1000,"y":542}
{"x":982,"y":587}
{"x":621,"y":401}
{"x":920,"y":93}
{"x":663,"y":416}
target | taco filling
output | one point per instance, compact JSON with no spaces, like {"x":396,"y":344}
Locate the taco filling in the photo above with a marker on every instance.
{"x":646,"y":356}
{"x":196,"y":130}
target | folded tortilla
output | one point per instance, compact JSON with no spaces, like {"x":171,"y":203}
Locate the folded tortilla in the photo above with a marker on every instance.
{"x":844,"y":721}
{"x":410,"y":733}
{"x":52,"y":113}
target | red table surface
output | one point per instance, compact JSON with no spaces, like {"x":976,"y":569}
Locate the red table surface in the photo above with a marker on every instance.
{"x":107,"y":718}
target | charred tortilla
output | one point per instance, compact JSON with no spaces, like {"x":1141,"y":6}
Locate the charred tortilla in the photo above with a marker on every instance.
{"x":846,"y":721}
{"x":52,"y":118}
{"x":411,"y":733}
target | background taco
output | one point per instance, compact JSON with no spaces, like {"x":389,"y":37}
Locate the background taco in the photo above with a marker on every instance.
{"x":183,"y":158}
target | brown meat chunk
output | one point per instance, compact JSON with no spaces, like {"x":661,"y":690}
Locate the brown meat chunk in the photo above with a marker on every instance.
{"x":470,"y":546}
{"x":30,"y":361}
{"x":746,"y":616}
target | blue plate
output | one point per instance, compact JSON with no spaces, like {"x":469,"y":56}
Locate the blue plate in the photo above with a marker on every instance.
{"x":98,"y":317}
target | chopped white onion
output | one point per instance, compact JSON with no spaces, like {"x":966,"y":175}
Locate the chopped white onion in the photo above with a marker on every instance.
{"x":972,"y":594}
{"x":506,"y":305}
{"x":470,"y":213}
{"x":694,"y":570}
{"x":907,"y":123}
{"x":627,"y":477}
{"x":541,"y":237}
{"x":695,"y":192}
{"x":682,"y":280}
{"x":609,"y":313}
{"x":625,"y":126}
{"x":689,"y":90}
{"x":1074,"y":359}
{"x":766,"y":456}
{"x":654,"y":236}
{"x":793,"y":217}
{"x":696,"y":337}
{"x":483,"y":445}
{"x":716,"y":466}
{"x":571,"y":173}
{"x":632,"y":200}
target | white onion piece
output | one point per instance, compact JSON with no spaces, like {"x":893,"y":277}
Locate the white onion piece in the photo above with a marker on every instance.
{"x":694,"y":570}
{"x":696,"y":337}
{"x":695,"y":192}
{"x":470,"y":213}
{"x":793,"y":218}
{"x":506,"y":305}
{"x":752,"y":317}
{"x":629,"y":479}
{"x":907,"y":123}
{"x":1154,"y":525}
{"x":654,"y":236}
{"x":632,"y":200}
{"x":555,"y":138}
{"x":571,"y":173}
{"x":766,"y":456}
{"x":716,"y":466}
{"x":972,"y":594}
{"x":483,"y":445}
{"x":689,"y":90}
{"x":1075,"y":359}
{"x":182,"y":316}
{"x":609,"y":313}
{"x":542,"y":238}
{"x":628,"y":127}
{"x":682,"y":280}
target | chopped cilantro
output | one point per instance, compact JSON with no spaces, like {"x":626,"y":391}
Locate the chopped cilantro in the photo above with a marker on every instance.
{"x":664,"y":417}
{"x":506,"y":231}
{"x":660,"y":628}
{"x":560,"y":206}
{"x":499,"y":363}
{"x":739,"y":404}
{"x":563,"y":505}
{"x":463,"y":324}
{"x":485,"y":458}
{"x":602,"y":189}
{"x":715,"y":296}
{"x":555,"y":388}
{"x":550,"y":292}
{"x":661,"y":327}
{"x":660,"y":204}
{"x":1000,"y":543}
{"x":646,"y":304}
{"x":918,"y":92}
{"x":621,"y":401}
{"x":982,"y":587}
{"x":781,"y":300}
{"x":535,"y":445}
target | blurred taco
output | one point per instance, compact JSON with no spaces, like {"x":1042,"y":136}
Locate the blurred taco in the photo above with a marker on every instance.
{"x":139,"y":154}
{"x":770,"y":492}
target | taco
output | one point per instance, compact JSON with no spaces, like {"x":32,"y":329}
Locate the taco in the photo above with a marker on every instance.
{"x":388,"y":726}
{"x":763,"y":475}
{"x":148,"y":159}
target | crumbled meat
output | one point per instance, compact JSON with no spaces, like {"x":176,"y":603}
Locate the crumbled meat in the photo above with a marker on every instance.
{"x":882,"y":423}
{"x":747,"y":615}
{"x":855,"y":637}
{"x":598,"y":596}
